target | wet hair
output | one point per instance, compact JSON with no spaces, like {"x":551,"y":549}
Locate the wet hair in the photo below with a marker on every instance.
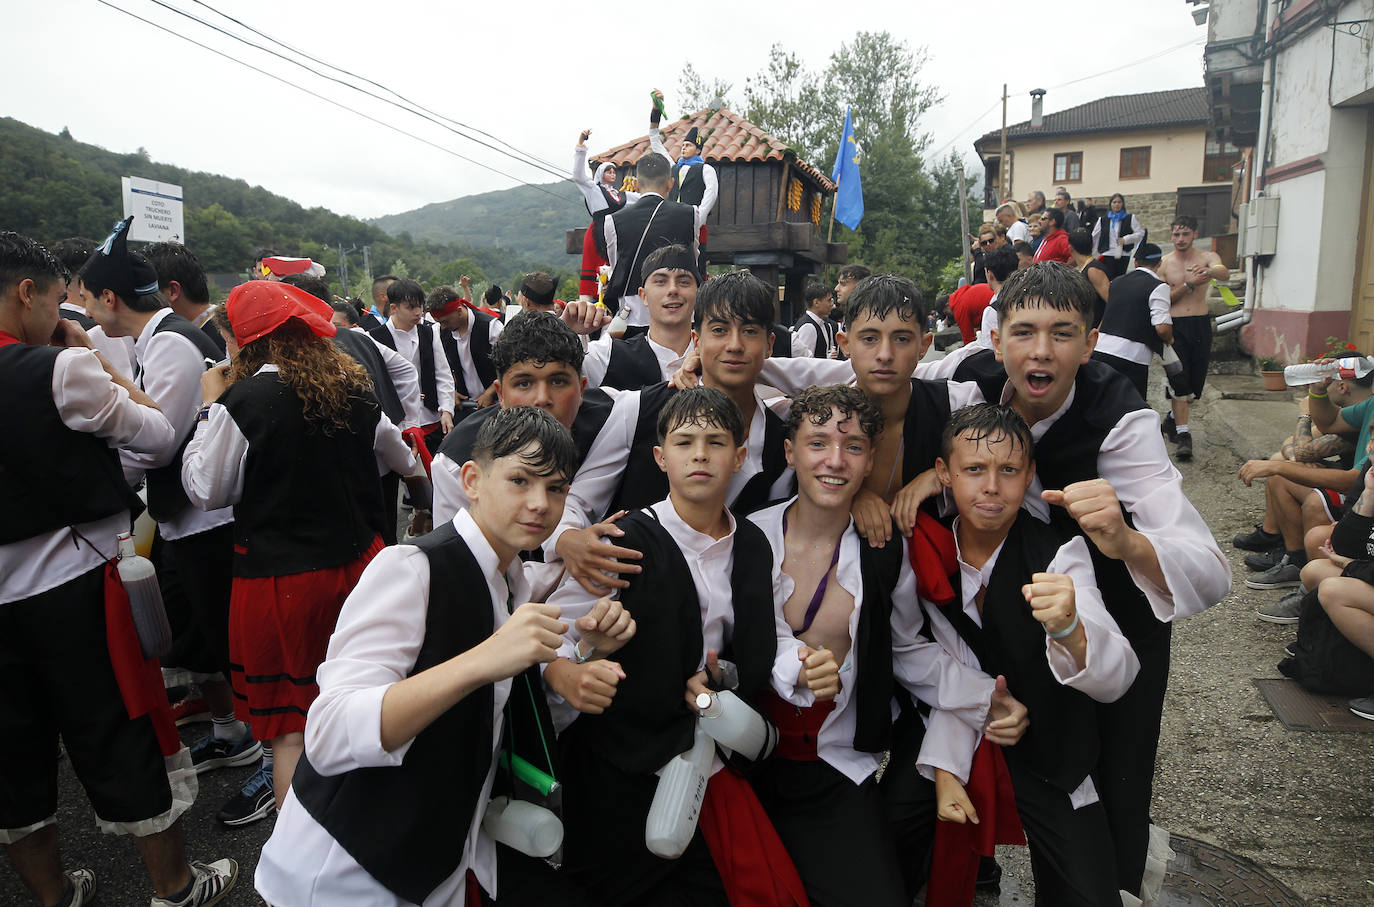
{"x":1054,"y":214}
{"x":405,"y":290}
{"x":345,"y":309}
{"x":74,"y":251}
{"x":817,"y":404}
{"x":815,"y":290}
{"x":735,"y":296}
{"x":702,"y":406}
{"x":538,"y":337}
{"x":440,"y":297}
{"x":1001,"y":262}
{"x":855,"y":273}
{"x":990,"y":422}
{"x":653,"y":168}
{"x":173,"y":261}
{"x":315,"y":286}
{"x":493,"y":296}
{"x":1186,"y":221}
{"x":530,"y":433}
{"x":1081,"y":241}
{"x":22,"y":258}
{"x":654,"y":260}
{"x":883,"y":295}
{"x":1049,"y":284}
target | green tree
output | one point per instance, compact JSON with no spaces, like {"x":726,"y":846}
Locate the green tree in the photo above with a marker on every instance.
{"x":697,"y":92}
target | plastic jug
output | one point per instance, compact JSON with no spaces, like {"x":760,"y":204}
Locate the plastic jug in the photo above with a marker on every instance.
{"x":734,"y":725}
{"x":523,"y":826}
{"x":677,"y":800}
{"x":139,"y":577}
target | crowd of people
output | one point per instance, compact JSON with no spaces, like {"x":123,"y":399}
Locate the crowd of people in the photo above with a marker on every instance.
{"x":467,"y":590}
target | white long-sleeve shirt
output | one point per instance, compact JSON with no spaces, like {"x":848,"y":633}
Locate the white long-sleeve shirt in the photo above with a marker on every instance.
{"x":598,"y":359}
{"x":408,"y":345}
{"x":582,"y":178}
{"x":1108,"y":671}
{"x":213,"y":467}
{"x":87,"y":401}
{"x":804,"y":337}
{"x":375,"y":643}
{"x":594,"y":486}
{"x":1115,"y":240}
{"x":708,"y":176}
{"x":923,"y":668}
{"x":405,"y":377}
{"x":464,"y":341}
{"x":1134,"y":350}
{"x":170,"y":367}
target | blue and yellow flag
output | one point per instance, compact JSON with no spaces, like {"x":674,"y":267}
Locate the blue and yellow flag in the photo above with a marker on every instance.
{"x":849,"y":194}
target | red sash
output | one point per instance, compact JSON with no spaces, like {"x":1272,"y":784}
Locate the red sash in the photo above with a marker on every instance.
{"x":798,"y":727}
{"x":747,"y":851}
{"x":139,"y":678}
{"x":957,"y":847}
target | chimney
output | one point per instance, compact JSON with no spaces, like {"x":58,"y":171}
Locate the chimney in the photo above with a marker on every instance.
{"x":1037,"y":107}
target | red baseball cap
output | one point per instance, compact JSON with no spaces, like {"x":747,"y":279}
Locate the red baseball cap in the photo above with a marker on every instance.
{"x":259,"y":307}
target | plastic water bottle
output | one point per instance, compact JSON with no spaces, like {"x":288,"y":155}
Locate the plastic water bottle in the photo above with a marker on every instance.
{"x":1312,"y":372}
{"x":734,"y":725}
{"x":145,"y":599}
{"x":523,"y":826}
{"x":677,"y":800}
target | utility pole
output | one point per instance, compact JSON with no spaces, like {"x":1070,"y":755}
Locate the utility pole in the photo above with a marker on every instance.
{"x":964,"y":262}
{"x":1003,"y":171}
{"x":343,"y":270}
{"x":367,"y":261}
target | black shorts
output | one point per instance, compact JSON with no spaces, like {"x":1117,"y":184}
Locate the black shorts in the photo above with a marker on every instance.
{"x":1193,"y":343}
{"x":55,"y":677}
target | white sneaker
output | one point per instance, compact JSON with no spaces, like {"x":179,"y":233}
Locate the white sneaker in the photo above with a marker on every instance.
{"x":209,"y":884}
{"x":83,"y":886}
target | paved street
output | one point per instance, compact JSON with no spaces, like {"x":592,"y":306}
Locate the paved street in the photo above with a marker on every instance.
{"x":1298,"y":804}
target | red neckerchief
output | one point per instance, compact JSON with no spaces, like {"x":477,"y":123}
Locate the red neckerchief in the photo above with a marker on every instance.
{"x":932,"y":554}
{"x":7,"y":338}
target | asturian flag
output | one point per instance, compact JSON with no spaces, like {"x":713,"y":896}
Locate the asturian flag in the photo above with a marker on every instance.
{"x":849,"y":192}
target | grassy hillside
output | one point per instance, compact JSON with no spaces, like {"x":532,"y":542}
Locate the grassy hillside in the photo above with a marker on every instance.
{"x":524,"y":219}
{"x":52,"y":186}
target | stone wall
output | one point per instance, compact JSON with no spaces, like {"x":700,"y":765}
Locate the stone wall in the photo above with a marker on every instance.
{"x":1156,"y":212}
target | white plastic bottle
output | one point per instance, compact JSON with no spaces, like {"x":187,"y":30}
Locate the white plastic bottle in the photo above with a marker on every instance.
{"x":1312,"y":372}
{"x":735,"y":726}
{"x":145,"y":599}
{"x":523,"y":826}
{"x":677,"y":800}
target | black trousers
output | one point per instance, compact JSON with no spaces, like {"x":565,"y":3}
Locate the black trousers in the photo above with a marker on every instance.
{"x":523,"y":880}
{"x":604,"y":811}
{"x":908,"y":802}
{"x":200,"y":569}
{"x":835,"y":833}
{"x":391,"y":491}
{"x":1129,"y":731}
{"x":1139,"y":375}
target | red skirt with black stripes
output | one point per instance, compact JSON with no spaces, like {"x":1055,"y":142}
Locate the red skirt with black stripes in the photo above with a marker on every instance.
{"x":279,"y":629}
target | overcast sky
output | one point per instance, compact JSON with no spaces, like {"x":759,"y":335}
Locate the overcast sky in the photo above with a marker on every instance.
{"x":530,"y":73}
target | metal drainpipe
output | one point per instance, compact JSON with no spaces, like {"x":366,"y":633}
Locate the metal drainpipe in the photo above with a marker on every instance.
{"x":1254,"y":276}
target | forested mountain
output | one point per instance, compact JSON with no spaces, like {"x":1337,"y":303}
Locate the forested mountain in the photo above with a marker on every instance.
{"x":528,"y":219}
{"x":52,"y":186}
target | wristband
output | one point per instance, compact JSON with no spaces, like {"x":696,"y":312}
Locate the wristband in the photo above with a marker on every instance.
{"x":1316,"y":396}
{"x":578,"y":657}
{"x":1067,"y":630}
{"x":203,"y":414}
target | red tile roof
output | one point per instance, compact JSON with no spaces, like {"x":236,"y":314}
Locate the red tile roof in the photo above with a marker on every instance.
{"x":1151,"y":110}
{"x":729,"y":137}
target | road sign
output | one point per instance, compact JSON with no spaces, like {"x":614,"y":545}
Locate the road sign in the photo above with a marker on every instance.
{"x":156,"y":208}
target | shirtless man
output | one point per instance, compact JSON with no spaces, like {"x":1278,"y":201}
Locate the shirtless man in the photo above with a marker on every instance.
{"x":1188,"y":272}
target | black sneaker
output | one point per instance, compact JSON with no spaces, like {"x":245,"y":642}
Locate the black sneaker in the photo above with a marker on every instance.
{"x":1258,"y":540}
{"x":1265,"y":560}
{"x":989,"y":875}
{"x":209,"y":752}
{"x":1169,"y":429}
{"x":252,"y":803}
{"x":1185,"y":447}
{"x":1364,"y":707}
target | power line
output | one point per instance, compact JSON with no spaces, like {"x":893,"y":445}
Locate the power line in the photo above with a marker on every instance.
{"x":329,"y":100}
{"x":391,"y":91}
{"x":295,"y":62}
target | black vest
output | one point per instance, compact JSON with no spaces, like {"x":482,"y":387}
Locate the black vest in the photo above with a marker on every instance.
{"x":825,"y":334}
{"x":614,"y":202}
{"x":364,"y":351}
{"x":1128,"y":309}
{"x":211,"y":330}
{"x":689,"y":184}
{"x":872,"y":647}
{"x":1104,"y":236}
{"x":648,"y":224}
{"x":1067,"y":453}
{"x":927,"y":413}
{"x":642,"y":483}
{"x":632,"y":365}
{"x":1061,"y":745}
{"x":648,"y":723}
{"x":166,"y":495}
{"x":406,"y":824}
{"x":310,"y":500}
{"x":429,"y":387}
{"x":591,"y":415}
{"x":50,"y":475}
{"x":79,"y":317}
{"x":479,"y":345}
